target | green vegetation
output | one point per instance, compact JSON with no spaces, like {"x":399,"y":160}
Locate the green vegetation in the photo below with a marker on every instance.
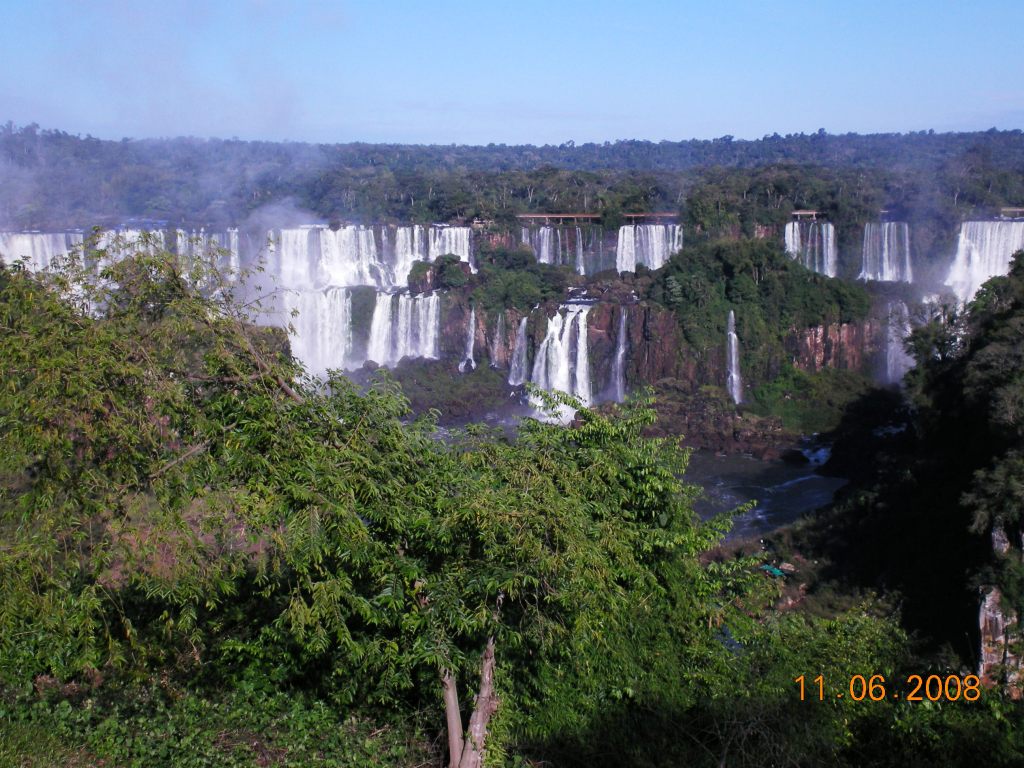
{"x":209,"y":559}
{"x":729,"y":185}
{"x":809,"y":402}
{"x":938,"y":483}
{"x":512,"y":277}
{"x":774,"y":299}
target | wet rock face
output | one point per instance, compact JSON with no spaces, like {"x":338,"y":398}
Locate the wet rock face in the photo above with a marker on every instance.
{"x":848,"y":346}
{"x":998,"y":664}
{"x":706,"y":418}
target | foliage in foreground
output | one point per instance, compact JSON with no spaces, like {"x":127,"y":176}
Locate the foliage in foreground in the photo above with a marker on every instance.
{"x":179,"y":503}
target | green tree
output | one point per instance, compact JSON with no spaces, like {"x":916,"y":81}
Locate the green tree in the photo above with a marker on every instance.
{"x":175,"y":485}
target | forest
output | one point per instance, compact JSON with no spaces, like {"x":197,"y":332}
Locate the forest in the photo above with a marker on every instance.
{"x":56,"y":180}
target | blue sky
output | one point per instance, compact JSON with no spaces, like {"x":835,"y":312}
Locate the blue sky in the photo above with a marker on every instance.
{"x":525,"y":72}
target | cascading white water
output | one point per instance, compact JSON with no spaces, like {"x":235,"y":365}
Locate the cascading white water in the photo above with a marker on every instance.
{"x":886,"y":252}
{"x":410,"y":247}
{"x":581,"y":267}
{"x":517,"y":370}
{"x":734,"y":384}
{"x":794,"y":246}
{"x":318,"y":256}
{"x":39,"y":249}
{"x":323,"y":328}
{"x":813,"y":244}
{"x":497,"y":340}
{"x":200,"y":244}
{"x":581,"y":373}
{"x":350,"y":256}
{"x":897,"y":360}
{"x":983,"y":251}
{"x":647,"y":244}
{"x":468,"y":363}
{"x":453,"y":240}
{"x":404,"y":326}
{"x":563,"y":361}
{"x":539,"y":240}
{"x":619,"y":368}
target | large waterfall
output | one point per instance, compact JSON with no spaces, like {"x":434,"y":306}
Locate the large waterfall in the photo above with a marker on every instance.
{"x":323,"y":328}
{"x":317,"y":257}
{"x":581,"y":247}
{"x":404,"y":326}
{"x":517,"y":371}
{"x":813,"y":244}
{"x":563,"y":358}
{"x":450,"y":240}
{"x":382,"y":257}
{"x":468,"y":363}
{"x":619,"y":368}
{"x":546,"y":243}
{"x":897,"y":360}
{"x":732,"y":353}
{"x":495,"y":349}
{"x":39,"y":249}
{"x":886,"y":253}
{"x":983,"y":251}
{"x":647,"y":244}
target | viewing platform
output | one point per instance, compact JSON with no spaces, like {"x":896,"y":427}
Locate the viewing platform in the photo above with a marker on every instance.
{"x":1012,"y":213}
{"x":561,"y":218}
{"x":805,"y":215}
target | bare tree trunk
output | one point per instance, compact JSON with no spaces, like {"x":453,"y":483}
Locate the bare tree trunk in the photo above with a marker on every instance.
{"x":485,"y":706}
{"x":453,"y":718}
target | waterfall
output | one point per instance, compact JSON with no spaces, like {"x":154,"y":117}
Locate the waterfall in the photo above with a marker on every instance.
{"x":318,"y":256}
{"x":199,"y":244}
{"x":983,"y":251}
{"x":886,"y":253}
{"x":39,"y":249}
{"x":581,"y":374}
{"x":517,"y":370}
{"x":323,"y":328}
{"x":443,"y":239}
{"x":494,"y":350}
{"x":563,"y":362}
{"x":581,"y":268}
{"x":468,"y":363}
{"x":410,"y":247}
{"x":404,"y":326}
{"x":732,"y":354}
{"x":619,"y":369}
{"x":546,"y":243}
{"x":292,"y":259}
{"x":813,"y":244}
{"x":897,"y":360}
{"x":647,"y":244}
{"x":348,"y":256}
{"x":793,"y":245}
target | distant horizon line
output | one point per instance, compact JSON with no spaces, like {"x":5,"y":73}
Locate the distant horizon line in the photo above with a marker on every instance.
{"x":567,"y":144}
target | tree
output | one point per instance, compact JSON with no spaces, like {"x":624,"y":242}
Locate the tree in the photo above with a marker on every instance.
{"x":175,"y":484}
